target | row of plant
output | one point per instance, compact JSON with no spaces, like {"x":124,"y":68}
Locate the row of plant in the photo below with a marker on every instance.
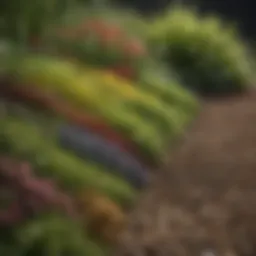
{"x":88,"y":108}
{"x":100,"y":134}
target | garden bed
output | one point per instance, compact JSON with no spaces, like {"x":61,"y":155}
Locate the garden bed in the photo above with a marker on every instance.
{"x":92,"y":107}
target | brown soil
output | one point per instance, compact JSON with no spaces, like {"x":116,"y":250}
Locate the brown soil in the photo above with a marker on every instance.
{"x":204,"y":201}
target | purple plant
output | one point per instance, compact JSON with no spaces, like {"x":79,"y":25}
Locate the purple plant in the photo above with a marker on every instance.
{"x":22,"y":195}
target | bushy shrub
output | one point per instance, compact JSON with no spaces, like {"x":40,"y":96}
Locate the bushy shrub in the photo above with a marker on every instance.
{"x":209,"y":55}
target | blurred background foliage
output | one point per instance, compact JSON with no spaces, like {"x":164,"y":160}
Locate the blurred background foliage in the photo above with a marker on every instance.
{"x":123,"y":71}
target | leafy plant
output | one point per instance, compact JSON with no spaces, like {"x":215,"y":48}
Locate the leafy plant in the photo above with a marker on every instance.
{"x":52,"y":235}
{"x":23,"y":195}
{"x":50,"y":160}
{"x":207,"y":53}
{"x":102,"y":43}
{"x":129,"y":20}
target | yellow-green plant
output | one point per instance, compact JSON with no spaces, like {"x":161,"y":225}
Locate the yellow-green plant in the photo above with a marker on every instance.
{"x":209,"y":54}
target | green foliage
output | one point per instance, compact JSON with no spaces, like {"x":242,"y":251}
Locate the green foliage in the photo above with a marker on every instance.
{"x":6,"y":50}
{"x":25,"y":140}
{"x":53,"y":236}
{"x":159,"y":81}
{"x":150,"y":115}
{"x":129,"y":20}
{"x":23,"y":19}
{"x":207,"y":53}
{"x":103,"y":36}
{"x":140,"y":115}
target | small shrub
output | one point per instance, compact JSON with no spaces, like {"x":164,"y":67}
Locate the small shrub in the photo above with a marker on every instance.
{"x":208,"y":54}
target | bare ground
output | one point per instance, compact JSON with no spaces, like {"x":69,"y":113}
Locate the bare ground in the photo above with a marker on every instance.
{"x":203,"y":202}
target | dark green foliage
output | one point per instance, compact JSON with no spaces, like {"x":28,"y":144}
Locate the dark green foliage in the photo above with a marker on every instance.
{"x":21,"y":20}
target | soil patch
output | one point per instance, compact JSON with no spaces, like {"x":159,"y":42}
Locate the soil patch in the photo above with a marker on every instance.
{"x":204,"y":201}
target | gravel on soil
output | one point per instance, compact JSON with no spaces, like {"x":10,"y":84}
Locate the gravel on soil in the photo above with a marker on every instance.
{"x":203,"y":202}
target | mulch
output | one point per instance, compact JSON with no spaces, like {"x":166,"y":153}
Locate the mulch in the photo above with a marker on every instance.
{"x":203,"y":202}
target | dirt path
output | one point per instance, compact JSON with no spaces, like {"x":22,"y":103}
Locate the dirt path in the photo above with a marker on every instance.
{"x":206,"y":198}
